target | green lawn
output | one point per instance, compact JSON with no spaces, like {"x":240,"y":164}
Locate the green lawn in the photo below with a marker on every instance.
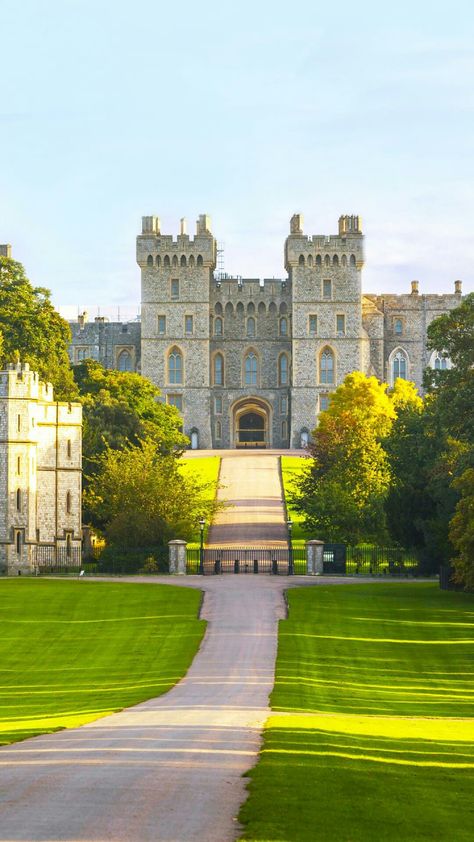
{"x":292,"y":468}
{"x":206,"y":469}
{"x":73,"y":651}
{"x":378,"y":743}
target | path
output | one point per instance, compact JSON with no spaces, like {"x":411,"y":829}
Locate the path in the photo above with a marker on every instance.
{"x":256,"y":515}
{"x":167,"y":770}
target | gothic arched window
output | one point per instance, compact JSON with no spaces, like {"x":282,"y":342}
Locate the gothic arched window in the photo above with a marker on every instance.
{"x":326,"y":366}
{"x":124,"y":361}
{"x":149,"y":260}
{"x":218,"y":370}
{"x":251,"y":369}
{"x":399,"y":365}
{"x":175,"y":367}
{"x":283,"y":370}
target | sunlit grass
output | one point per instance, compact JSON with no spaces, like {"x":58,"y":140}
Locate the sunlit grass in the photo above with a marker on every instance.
{"x":73,"y":651}
{"x":378,"y":743}
{"x":206,"y":469}
{"x":292,"y":469}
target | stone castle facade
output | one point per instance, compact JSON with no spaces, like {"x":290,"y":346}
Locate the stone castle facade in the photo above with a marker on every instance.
{"x":40,"y":474}
{"x":249,"y":362}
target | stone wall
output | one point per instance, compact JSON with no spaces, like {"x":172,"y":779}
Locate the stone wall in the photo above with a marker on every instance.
{"x":40,"y":470}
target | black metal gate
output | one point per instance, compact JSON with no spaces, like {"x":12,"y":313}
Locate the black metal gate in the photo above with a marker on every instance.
{"x":252,"y":560}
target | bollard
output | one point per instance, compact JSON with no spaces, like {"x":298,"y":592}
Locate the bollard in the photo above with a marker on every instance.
{"x":255,"y":565}
{"x":236,"y":566}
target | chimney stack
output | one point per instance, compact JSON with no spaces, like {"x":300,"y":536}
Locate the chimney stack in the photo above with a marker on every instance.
{"x":458,"y":287}
{"x":414,"y":287}
{"x":5,"y":250}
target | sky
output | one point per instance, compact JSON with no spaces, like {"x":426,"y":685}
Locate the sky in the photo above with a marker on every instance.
{"x":249,"y":112}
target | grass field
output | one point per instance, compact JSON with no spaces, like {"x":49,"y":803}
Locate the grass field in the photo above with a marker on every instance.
{"x":292,"y":468}
{"x":378,"y":743}
{"x":73,"y":651}
{"x":206,"y":469}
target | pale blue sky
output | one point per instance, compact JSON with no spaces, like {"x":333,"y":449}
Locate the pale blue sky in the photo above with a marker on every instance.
{"x":248,"y":111}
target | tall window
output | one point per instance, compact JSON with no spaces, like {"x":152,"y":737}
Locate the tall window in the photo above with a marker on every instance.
{"x":69,"y":448}
{"x":326,"y":366}
{"x":218,"y":370}
{"x":283,"y":326}
{"x":251,"y":368}
{"x":175,"y":367}
{"x":124,"y":361}
{"x":283,"y":370}
{"x":323,"y":402}
{"x":398,"y":327}
{"x":218,"y":430}
{"x":18,"y":500}
{"x":340,"y":325}
{"x":283,"y":405}
{"x":313,"y":325}
{"x":218,"y":326}
{"x":175,"y":289}
{"x":175,"y":400}
{"x":68,"y":502}
{"x":251,"y":326}
{"x":327,"y":289}
{"x":161,"y":325}
{"x":149,"y":260}
{"x":399,"y":365}
{"x":218,"y":405}
{"x":188,"y":325}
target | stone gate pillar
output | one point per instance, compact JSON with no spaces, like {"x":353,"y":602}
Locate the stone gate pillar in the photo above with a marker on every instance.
{"x":177,"y":557}
{"x":314,"y":557}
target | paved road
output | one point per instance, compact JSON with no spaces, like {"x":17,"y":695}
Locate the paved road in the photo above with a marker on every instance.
{"x":168,"y":770}
{"x":256,"y":516}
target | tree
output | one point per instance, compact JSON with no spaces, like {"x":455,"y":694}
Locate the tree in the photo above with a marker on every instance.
{"x":461,"y":530}
{"x":452,"y":394}
{"x":33,"y":330}
{"x":342,"y":495}
{"x":141,"y":498}
{"x":121,"y":408}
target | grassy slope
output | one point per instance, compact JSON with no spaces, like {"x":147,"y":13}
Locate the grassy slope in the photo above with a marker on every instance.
{"x":360,"y":660}
{"x":292,"y":468}
{"x":206,"y":468}
{"x":74,"y":651}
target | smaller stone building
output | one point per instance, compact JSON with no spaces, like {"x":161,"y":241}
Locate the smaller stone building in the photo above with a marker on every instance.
{"x":40,"y":474}
{"x":113,"y":344}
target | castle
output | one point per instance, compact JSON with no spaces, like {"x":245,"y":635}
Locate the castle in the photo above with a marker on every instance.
{"x":40,"y":474}
{"x":249,"y":362}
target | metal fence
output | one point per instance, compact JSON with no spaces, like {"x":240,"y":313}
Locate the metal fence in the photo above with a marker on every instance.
{"x":338,"y":559}
{"x":50,"y":561}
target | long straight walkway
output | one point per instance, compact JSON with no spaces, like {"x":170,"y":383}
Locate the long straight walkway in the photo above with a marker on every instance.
{"x":167,"y":770}
{"x":255,"y":516}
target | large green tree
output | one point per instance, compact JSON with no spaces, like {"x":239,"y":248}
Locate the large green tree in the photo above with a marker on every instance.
{"x":121,"y":408}
{"x":342,"y":495}
{"x":140,"y":497}
{"x":452,"y":395}
{"x":32,"y":330}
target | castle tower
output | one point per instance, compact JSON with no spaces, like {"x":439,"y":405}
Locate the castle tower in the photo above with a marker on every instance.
{"x":176,"y":278}
{"x":328,"y":338}
{"x":40,"y":473}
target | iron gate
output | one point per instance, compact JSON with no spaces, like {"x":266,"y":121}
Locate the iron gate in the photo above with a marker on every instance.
{"x":272,"y":560}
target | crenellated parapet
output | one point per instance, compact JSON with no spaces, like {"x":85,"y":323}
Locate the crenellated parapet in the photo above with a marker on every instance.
{"x":167,"y":252}
{"x":320,"y":252}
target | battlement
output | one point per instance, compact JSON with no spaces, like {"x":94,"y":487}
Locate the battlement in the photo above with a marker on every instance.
{"x":319,"y":251}
{"x":245,"y":288}
{"x":167,"y":251}
{"x":18,"y":381}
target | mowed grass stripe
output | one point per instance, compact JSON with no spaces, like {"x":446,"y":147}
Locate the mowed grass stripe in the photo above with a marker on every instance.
{"x":73,"y":651}
{"x":380,"y":743}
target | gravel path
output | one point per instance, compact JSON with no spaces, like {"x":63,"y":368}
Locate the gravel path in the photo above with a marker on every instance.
{"x":170,"y":768}
{"x":256,"y":516}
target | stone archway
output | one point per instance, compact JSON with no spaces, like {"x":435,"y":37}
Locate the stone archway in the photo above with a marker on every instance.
{"x":251,"y":426}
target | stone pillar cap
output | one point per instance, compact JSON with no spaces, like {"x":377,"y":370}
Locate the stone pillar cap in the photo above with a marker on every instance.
{"x":314,"y":541}
{"x":177,"y":541}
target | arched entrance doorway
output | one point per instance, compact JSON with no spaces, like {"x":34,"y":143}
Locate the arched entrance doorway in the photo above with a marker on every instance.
{"x":251,"y":423}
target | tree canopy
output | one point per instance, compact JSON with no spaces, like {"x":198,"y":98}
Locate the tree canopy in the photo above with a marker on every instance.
{"x":121,"y":408}
{"x":32,"y":330}
{"x":140,"y":497}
